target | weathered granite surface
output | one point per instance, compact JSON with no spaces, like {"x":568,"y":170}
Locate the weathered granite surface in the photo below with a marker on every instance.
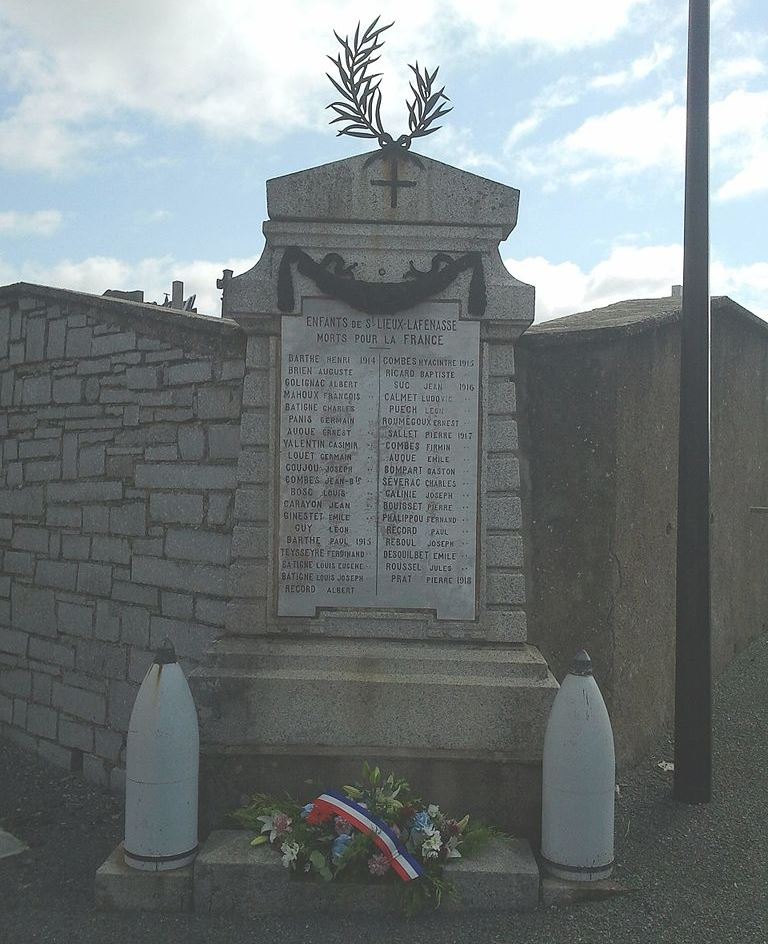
{"x":230,"y":875}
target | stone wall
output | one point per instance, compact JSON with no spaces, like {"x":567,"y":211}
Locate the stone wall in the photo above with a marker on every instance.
{"x":120,"y":430}
{"x":600,"y":394}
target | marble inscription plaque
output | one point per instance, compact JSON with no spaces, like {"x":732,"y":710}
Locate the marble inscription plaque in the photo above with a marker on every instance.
{"x":378,"y":460}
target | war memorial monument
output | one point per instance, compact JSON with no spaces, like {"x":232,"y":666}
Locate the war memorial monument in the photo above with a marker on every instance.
{"x":380,"y":604}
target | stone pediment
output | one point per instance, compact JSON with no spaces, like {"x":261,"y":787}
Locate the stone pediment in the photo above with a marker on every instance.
{"x":371,"y":227}
{"x":360,"y":190}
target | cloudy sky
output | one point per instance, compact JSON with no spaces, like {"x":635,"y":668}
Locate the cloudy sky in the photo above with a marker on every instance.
{"x":136,"y":135}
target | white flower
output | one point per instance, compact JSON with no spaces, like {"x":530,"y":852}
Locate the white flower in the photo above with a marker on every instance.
{"x":452,"y":847}
{"x":431,"y":847}
{"x":276,"y":825}
{"x":433,"y":810}
{"x":290,"y":852}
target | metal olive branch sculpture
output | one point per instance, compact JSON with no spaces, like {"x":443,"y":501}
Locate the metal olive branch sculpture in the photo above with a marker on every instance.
{"x":360,"y":105}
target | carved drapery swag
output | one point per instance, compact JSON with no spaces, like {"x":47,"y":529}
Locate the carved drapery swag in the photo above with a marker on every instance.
{"x":335,"y":278}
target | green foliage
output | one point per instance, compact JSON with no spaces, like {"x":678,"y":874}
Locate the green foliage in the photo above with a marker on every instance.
{"x":475,"y":836}
{"x":311,"y":842}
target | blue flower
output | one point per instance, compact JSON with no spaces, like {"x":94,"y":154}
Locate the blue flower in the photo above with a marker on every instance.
{"x":421,"y":823}
{"x":339,"y":847}
{"x":306,"y":810}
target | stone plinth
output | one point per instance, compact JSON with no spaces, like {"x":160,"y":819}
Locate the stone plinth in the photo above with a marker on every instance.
{"x":121,"y":888}
{"x":464,"y":723}
{"x":231,"y":876}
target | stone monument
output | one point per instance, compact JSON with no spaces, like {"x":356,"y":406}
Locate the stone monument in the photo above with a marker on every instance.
{"x":378,"y":593}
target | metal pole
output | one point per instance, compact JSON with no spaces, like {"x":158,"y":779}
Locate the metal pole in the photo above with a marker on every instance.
{"x":693,"y":709}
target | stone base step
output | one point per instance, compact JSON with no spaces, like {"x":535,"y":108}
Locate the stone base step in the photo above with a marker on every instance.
{"x":231,"y":876}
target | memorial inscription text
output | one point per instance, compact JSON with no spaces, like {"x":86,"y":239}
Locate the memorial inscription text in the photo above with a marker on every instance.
{"x":378,"y":460}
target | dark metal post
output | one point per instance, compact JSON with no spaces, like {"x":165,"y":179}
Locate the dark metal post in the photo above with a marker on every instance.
{"x":693,"y":711}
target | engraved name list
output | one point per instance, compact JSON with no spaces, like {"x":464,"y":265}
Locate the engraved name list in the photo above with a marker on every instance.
{"x":378,"y":460}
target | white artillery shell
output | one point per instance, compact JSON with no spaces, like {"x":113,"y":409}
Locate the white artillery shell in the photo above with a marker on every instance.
{"x":578,"y":781}
{"x":162,"y":760}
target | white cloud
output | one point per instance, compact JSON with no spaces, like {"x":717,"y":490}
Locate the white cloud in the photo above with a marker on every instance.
{"x":740,"y":143}
{"x":155,"y":275}
{"x":628,"y":272}
{"x":641,"y":68}
{"x":650,"y":135}
{"x":80,"y":69}
{"x":152,"y":217}
{"x":563,"y":288}
{"x":455,"y":146}
{"x":746,"y":284}
{"x":557,"y":25}
{"x":743,"y":67}
{"x":37,"y":223}
{"x":625,"y":141}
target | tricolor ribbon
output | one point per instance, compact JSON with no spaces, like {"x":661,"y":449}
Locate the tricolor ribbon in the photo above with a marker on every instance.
{"x":362,"y":819}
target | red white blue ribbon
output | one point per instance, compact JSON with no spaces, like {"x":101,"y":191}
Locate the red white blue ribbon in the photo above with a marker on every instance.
{"x":404,"y":864}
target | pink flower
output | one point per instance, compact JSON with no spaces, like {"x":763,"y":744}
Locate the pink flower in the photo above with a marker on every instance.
{"x":378,"y":864}
{"x":342,"y":826}
{"x":281,"y":823}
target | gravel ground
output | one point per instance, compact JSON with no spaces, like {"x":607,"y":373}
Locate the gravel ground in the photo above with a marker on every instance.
{"x":697,"y":874}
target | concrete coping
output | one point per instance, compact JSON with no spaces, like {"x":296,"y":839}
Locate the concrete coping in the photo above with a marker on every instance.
{"x":119,"y":308}
{"x":626,"y":318}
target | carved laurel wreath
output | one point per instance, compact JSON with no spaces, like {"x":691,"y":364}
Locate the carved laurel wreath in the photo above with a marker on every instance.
{"x":360,"y":106}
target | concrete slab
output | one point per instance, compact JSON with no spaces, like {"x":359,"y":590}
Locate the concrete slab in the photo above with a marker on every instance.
{"x":121,"y":888}
{"x":10,"y":845}
{"x":230,"y":875}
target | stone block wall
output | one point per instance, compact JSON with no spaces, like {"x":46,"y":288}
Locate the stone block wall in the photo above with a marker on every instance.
{"x":120,"y":432}
{"x":600,"y":393}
